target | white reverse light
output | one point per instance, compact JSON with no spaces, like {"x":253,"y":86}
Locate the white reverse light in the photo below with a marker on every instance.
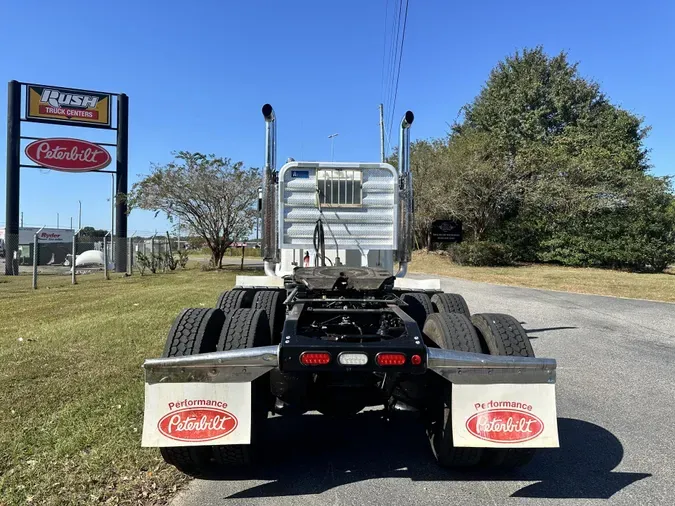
{"x":353,"y":358}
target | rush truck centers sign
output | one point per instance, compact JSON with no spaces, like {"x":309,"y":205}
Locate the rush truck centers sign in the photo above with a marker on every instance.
{"x":62,"y":105}
{"x":69,"y":155}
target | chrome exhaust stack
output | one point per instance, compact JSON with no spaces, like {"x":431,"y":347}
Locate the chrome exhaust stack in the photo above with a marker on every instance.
{"x":270,"y":250}
{"x":405,"y":218}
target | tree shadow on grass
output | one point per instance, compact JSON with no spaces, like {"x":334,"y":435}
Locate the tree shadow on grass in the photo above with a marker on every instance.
{"x":313,"y":453}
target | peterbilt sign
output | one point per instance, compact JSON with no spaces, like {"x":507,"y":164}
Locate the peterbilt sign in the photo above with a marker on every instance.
{"x":52,"y":104}
{"x":70,"y":155}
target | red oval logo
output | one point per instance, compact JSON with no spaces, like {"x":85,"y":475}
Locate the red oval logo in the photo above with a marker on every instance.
{"x":197,"y":424}
{"x":505,"y":425}
{"x":70,"y":155}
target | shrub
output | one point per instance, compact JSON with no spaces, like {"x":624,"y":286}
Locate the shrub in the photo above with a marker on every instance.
{"x":143,"y":262}
{"x":479,"y":253}
{"x":208,"y":266}
{"x":182,"y":258}
{"x":170,"y":261}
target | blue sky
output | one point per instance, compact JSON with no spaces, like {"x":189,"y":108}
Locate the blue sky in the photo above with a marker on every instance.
{"x":197,"y":74}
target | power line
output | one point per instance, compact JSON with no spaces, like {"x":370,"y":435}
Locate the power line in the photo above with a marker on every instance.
{"x":384,"y":45}
{"x":393,"y":53}
{"x":398,"y":73}
{"x":391,"y":36}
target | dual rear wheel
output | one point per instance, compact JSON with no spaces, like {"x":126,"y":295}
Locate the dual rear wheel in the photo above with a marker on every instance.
{"x":242,"y":319}
{"x":448,"y":324}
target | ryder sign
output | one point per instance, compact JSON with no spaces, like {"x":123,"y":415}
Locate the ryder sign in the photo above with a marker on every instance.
{"x":70,"y":155}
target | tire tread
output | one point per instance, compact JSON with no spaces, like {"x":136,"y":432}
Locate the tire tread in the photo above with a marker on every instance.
{"x":451,"y":331}
{"x":502,"y":334}
{"x":450,"y":303}
{"x":194,"y":331}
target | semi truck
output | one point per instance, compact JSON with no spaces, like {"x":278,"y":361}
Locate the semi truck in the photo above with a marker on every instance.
{"x":349,"y":332}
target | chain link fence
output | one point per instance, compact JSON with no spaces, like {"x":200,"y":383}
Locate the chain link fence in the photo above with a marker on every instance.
{"x":50,"y":256}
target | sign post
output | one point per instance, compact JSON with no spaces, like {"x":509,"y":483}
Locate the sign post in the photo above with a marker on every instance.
{"x":13,"y":173}
{"x":122,"y":173}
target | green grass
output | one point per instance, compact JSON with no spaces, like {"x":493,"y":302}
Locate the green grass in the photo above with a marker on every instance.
{"x":71,"y":409}
{"x":659,"y":287}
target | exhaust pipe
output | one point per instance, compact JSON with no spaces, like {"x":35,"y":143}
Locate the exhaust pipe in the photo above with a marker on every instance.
{"x":269,"y":202}
{"x":405,"y":224}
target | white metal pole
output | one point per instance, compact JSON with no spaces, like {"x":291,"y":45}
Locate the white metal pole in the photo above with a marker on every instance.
{"x":105,"y":256}
{"x":35,"y":257}
{"x":72,"y":260}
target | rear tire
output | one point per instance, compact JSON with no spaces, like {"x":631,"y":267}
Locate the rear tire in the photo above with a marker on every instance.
{"x":231,"y":300}
{"x":247,"y":328}
{"x":194,"y":331}
{"x":450,"y":303}
{"x":272,"y":302}
{"x":450,"y":331}
{"x":419,"y":307}
{"x":502,"y":334}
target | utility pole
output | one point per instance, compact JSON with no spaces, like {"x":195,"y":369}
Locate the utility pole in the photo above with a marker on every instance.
{"x":21,"y":219}
{"x":381,"y":133}
{"x":79,"y":216}
{"x":71,"y":223}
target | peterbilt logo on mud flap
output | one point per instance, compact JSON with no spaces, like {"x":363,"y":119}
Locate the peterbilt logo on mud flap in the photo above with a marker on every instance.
{"x":505,"y":425}
{"x":197,"y":424}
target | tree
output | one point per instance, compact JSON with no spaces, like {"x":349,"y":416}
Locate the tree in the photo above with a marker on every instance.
{"x":92,"y":232}
{"x":460,"y":179}
{"x":212,"y":196}
{"x":573,"y":164}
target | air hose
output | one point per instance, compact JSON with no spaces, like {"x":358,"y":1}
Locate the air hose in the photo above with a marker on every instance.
{"x":320,"y":243}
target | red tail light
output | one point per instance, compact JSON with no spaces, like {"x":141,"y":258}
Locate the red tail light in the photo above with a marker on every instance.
{"x":384,"y":359}
{"x":315,"y":358}
{"x":415,"y":360}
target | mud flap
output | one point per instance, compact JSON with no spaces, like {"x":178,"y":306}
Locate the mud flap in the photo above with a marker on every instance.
{"x":196,"y":414}
{"x":505,"y":415}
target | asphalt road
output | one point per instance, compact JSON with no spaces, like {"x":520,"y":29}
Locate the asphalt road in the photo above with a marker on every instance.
{"x":616,"y":415}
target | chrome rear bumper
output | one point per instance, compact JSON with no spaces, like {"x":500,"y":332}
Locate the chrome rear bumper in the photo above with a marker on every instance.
{"x":240,"y":366}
